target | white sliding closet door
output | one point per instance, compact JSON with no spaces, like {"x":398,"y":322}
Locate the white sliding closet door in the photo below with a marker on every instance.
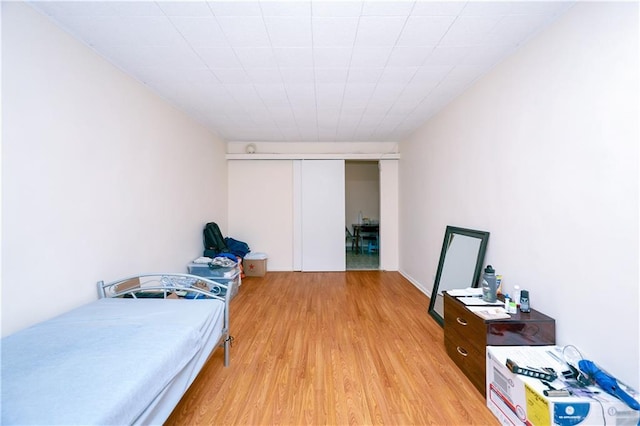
{"x":322,"y":215}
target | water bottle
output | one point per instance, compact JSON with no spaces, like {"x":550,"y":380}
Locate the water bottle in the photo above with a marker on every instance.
{"x":489,"y":289}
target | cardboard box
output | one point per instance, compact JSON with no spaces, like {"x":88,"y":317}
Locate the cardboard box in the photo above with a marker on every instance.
{"x":519,"y":400}
{"x":255,"y":264}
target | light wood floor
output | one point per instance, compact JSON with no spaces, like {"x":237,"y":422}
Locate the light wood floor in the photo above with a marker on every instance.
{"x":352,"y":348}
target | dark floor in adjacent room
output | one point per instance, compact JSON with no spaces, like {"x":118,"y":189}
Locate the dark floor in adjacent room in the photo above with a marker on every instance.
{"x":366,"y":261}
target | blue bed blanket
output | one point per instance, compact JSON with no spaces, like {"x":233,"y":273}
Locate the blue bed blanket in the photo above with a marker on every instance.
{"x":102,"y":363}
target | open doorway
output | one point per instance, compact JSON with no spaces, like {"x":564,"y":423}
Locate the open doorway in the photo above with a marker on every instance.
{"x":362,"y":215}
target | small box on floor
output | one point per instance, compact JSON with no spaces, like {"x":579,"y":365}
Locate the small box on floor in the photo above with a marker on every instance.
{"x":516,"y":399}
{"x":255,"y":264}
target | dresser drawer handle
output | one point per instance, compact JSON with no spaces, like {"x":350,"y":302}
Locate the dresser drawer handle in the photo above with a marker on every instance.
{"x":461,"y":321}
{"x":461,"y":351}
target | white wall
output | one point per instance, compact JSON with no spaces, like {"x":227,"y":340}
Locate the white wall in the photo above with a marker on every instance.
{"x":100,"y":178}
{"x":543,"y":153}
{"x":260,"y":208}
{"x":389,"y":215}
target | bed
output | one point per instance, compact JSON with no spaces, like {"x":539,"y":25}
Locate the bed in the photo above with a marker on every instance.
{"x":126,"y":358}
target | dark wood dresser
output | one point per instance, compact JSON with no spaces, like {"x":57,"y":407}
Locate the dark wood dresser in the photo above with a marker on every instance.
{"x":466,"y":336}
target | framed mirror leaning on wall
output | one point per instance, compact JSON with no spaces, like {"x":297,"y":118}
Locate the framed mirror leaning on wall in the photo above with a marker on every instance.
{"x":460,"y":264}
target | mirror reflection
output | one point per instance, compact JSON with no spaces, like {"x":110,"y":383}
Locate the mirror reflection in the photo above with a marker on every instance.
{"x":460,"y":263}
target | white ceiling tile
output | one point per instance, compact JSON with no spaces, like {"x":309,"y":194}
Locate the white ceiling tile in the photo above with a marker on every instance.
{"x":461,"y":75}
{"x":364,"y":75}
{"x":386,"y":94}
{"x":485,"y":56}
{"x":264,"y":75}
{"x":288,"y":57}
{"x":448,"y":56}
{"x":134,"y":8}
{"x":256,"y":57}
{"x":231,"y":75}
{"x":297,"y":92}
{"x":285,"y":8}
{"x":245,"y":31}
{"x":413,"y":94}
{"x":425,"y":30}
{"x":153,"y":30}
{"x":200,"y":31}
{"x":297,"y":75}
{"x":349,"y":114}
{"x":200,"y":76}
{"x":219,"y":57}
{"x":263,"y":119}
{"x":332,"y":57}
{"x":387,"y":8}
{"x":437,"y":8}
{"x":288,"y":31}
{"x":329,"y":95}
{"x":334,"y":32}
{"x":469,"y":30}
{"x":291,"y":134}
{"x":282,"y":115}
{"x":185,"y":8}
{"x":397,"y":75}
{"x":514,"y":29}
{"x":357,"y":95}
{"x":402,"y":108}
{"x":370,"y":57}
{"x":430,"y":75}
{"x":375,"y":31}
{"x":331,"y":75}
{"x":551,"y":8}
{"x":486,"y":8}
{"x":355,"y":102}
{"x":336,"y":8}
{"x":409,"y":56}
{"x":71,"y":8}
{"x":326,"y":135}
{"x":101,"y":31}
{"x":328,"y":116}
{"x":245,"y":95}
{"x":176,"y":57}
{"x":301,"y":105}
{"x":235,"y":8}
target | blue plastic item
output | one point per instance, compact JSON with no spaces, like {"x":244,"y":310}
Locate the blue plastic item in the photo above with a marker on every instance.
{"x":607,"y":383}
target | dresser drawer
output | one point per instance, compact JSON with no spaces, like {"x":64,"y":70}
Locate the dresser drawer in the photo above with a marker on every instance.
{"x":469,"y":359}
{"x":457,"y":319}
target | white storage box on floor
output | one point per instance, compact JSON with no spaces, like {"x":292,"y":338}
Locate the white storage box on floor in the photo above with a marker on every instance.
{"x":255,"y":264}
{"x":519,"y":400}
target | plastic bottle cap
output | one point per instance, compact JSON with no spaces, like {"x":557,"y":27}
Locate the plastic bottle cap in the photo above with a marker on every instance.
{"x":489,"y":269}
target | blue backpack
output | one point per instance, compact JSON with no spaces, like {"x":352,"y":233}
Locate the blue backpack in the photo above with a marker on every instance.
{"x":239,"y":248}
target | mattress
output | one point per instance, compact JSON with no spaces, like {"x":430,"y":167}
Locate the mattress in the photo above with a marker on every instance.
{"x":107,"y":362}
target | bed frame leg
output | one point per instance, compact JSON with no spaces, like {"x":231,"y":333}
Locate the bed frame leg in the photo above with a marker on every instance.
{"x":227,"y":350}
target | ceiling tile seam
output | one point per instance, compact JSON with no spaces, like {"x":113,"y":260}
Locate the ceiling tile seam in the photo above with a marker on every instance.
{"x":385,"y":67}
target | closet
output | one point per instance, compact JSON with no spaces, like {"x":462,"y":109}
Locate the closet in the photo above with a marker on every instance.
{"x":294,"y":210}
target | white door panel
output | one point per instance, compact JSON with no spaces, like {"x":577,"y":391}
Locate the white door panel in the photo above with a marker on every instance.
{"x":322,"y":213}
